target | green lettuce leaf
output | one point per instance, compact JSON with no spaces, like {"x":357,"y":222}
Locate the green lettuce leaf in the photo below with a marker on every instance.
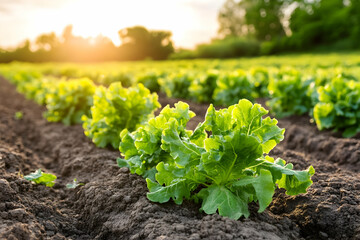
{"x":223,"y":163}
{"x":144,"y":148}
{"x":118,"y":108}
{"x":39,"y":177}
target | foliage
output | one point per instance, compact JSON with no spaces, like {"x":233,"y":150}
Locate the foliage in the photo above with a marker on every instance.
{"x":228,"y":48}
{"x":297,"y":75}
{"x":137,"y":43}
{"x":22,"y":76}
{"x":260,"y":18}
{"x":290,"y":94}
{"x":225,"y":170}
{"x":37,"y":89}
{"x":124,"y":78}
{"x":74,"y":184}
{"x":140,"y":43}
{"x":232,"y":87}
{"x":339,"y":106}
{"x":69,"y":100}
{"x":315,"y":23}
{"x":231,"y":19}
{"x":203,"y":87}
{"x":118,"y":108}
{"x":142,"y":148}
{"x":259,"y":77}
{"x":321,"y":24}
{"x":150,"y":81}
{"x":30,"y":83}
{"x":229,"y":166}
{"x":176,"y":85}
{"x":19,"y":115}
{"x":39,"y":177}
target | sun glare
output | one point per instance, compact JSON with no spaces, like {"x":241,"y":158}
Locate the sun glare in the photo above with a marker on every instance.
{"x":189,"y":22}
{"x":91,"y":18}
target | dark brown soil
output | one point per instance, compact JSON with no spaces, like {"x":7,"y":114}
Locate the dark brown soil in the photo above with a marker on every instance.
{"x":113,"y":205}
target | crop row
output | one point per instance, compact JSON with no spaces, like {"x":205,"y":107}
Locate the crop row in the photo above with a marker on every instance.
{"x":330,"y":96}
{"x":223,"y":163}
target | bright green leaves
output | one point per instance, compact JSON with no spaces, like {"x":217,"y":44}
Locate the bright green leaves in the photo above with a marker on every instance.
{"x":339,"y":106}
{"x":334,"y":104}
{"x":143,"y":149}
{"x":262,"y":185}
{"x":218,"y":198}
{"x":247,"y":118}
{"x":203,"y":86}
{"x":290,"y":93}
{"x":176,"y":85}
{"x":233,"y":86}
{"x":181,"y":113}
{"x":118,"y":108}
{"x":182,"y":150}
{"x":294,"y":182}
{"x":69,"y":101}
{"x":218,"y":121}
{"x":74,"y":184}
{"x":225,"y":170}
{"x":39,"y":177}
{"x":177,"y":191}
{"x":226,"y":158}
{"x":19,"y":115}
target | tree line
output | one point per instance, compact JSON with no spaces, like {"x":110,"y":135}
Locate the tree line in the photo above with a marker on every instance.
{"x":261,"y":27}
{"x":138,"y":43}
{"x":246,"y":28}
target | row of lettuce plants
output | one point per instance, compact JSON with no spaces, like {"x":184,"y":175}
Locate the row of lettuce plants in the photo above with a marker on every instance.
{"x":223,"y":163}
{"x":289,"y":91}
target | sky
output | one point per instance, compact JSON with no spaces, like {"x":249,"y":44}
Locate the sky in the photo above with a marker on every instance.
{"x":191,"y":21}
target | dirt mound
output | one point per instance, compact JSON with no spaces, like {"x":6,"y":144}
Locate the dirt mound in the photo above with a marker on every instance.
{"x":345,"y":152}
{"x":331,"y":203}
{"x":117,"y":208}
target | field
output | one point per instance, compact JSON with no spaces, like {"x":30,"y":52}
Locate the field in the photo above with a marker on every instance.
{"x":113,"y":203}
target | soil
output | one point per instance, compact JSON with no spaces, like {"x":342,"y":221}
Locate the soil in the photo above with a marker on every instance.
{"x":113,"y":205}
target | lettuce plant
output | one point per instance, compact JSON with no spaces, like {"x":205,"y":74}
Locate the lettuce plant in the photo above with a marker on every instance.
{"x":176,"y":85}
{"x":231,"y":87}
{"x":223,"y":163}
{"x":69,"y":100}
{"x":150,"y":80}
{"x":339,"y":106}
{"x":203,"y":87}
{"x":142,"y":148}
{"x":39,"y":177}
{"x":32,"y":84}
{"x":125,"y":79}
{"x":118,"y":108}
{"x":259,"y":76}
{"x":290,"y":94}
{"x":37,"y":89}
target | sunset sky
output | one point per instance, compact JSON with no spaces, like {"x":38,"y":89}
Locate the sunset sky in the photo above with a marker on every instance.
{"x":191,"y":22}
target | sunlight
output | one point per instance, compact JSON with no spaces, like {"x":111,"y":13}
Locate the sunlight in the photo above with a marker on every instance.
{"x":91,"y":18}
{"x":190,"y":22}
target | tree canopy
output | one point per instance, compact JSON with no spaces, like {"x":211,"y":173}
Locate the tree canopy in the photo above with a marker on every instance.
{"x":307,"y":23}
{"x":138,"y":43}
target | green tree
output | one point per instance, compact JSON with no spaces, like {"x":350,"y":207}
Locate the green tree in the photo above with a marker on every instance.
{"x":140,"y":43}
{"x":231,"y":20}
{"x":320,"y":22}
{"x":264,"y":18}
{"x":254,"y":18}
{"x":47,"y":41}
